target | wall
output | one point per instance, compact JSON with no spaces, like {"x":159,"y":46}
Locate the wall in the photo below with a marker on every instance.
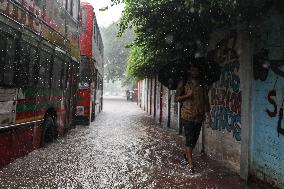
{"x":164,"y":104}
{"x":158,"y":102}
{"x":267,"y":155}
{"x":143,"y":94}
{"x":223,"y":138}
{"x":174,"y":111}
{"x":154,"y":95}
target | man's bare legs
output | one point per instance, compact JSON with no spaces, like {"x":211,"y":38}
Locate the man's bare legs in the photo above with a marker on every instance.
{"x":188,"y":153}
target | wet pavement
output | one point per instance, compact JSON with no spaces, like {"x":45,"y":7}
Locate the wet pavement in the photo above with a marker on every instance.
{"x":124,"y":148}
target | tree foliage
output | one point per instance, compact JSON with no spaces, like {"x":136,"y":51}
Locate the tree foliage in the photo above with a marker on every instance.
{"x":169,"y":34}
{"x":116,"y":52}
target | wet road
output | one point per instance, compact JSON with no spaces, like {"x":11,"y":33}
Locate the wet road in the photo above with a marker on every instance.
{"x":123,"y":148}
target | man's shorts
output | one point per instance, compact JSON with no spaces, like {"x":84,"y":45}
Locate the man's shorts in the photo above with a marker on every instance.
{"x":191,"y":131}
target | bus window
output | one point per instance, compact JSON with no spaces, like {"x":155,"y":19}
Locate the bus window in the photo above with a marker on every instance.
{"x":44,"y":69}
{"x":63,"y":75}
{"x":84,"y":71}
{"x":2,"y":56}
{"x":8,"y":51}
{"x":22,"y":69}
{"x":56,"y":75}
{"x":33,"y":66}
{"x":84,"y":19}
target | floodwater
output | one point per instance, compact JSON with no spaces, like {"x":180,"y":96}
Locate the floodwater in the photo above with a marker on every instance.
{"x":123,"y":148}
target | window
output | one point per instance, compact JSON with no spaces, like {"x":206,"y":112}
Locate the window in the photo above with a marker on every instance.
{"x":44,"y":69}
{"x":84,"y":19}
{"x":84,"y":70}
{"x":56,"y":74}
{"x":33,"y":73}
{"x":22,"y":69}
{"x":63,"y":76}
{"x":7,"y":59}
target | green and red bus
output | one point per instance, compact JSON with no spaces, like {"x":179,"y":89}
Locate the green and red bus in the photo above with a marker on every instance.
{"x":89,"y":101}
{"x":40,"y":59}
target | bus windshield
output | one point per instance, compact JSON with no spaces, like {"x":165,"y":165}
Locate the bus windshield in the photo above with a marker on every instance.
{"x":84,"y":72}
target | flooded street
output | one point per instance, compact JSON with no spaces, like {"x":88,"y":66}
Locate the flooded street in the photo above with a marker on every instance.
{"x":124,"y":148}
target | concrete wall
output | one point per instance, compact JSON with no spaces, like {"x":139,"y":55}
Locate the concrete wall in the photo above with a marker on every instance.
{"x":155,"y":101}
{"x":267,"y":150}
{"x":174,"y":111}
{"x":223,"y":140}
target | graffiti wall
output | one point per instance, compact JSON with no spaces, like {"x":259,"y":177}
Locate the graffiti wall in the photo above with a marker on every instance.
{"x":268,"y":91}
{"x":224,"y":134}
{"x":225,"y":95}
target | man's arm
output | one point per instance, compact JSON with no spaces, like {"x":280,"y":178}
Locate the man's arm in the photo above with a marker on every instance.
{"x":180,"y":96}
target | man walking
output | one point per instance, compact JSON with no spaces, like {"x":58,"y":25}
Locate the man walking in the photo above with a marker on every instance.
{"x":195,"y":105}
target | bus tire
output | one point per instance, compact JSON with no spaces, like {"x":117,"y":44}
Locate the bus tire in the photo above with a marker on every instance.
{"x":48,"y":132}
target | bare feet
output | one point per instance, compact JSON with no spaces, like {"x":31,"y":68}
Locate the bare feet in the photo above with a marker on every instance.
{"x":185,"y":158}
{"x":191,"y":170}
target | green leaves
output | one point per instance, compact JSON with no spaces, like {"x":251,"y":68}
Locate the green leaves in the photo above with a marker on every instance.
{"x":170,"y":34}
{"x":116,"y":52}
{"x":104,"y":8}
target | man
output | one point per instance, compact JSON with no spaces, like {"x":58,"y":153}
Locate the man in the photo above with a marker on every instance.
{"x":195,"y":105}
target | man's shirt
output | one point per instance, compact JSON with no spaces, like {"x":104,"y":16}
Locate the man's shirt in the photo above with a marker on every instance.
{"x":195,"y":107}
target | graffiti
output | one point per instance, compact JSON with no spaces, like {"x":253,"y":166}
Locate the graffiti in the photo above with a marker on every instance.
{"x":280,"y":130}
{"x":274,"y":113}
{"x":226,"y":96}
{"x":227,"y":99}
{"x":224,"y":118}
{"x":262,"y":64}
{"x":271,"y":101}
{"x":229,"y":77}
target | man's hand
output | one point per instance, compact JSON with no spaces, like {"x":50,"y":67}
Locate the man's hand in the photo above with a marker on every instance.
{"x":185,"y":97}
{"x":190,"y":93}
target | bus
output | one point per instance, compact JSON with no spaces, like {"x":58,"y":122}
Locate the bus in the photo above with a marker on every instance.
{"x":89,"y":98}
{"x":40,"y":59}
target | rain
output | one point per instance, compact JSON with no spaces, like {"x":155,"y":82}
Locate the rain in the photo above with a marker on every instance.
{"x":141,"y":94}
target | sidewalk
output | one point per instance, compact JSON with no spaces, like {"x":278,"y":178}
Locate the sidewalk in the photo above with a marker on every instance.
{"x":209,"y":174}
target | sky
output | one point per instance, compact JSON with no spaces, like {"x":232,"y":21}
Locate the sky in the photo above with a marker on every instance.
{"x":105,"y":18}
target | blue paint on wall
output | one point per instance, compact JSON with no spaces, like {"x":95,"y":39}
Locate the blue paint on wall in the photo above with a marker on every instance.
{"x":267,"y":152}
{"x":267,"y":146}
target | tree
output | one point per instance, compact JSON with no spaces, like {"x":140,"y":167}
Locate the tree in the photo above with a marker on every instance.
{"x":170,"y":34}
{"x":116,"y":53}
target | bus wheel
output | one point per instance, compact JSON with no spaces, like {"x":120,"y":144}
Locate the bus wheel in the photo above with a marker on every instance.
{"x":48,"y":132}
